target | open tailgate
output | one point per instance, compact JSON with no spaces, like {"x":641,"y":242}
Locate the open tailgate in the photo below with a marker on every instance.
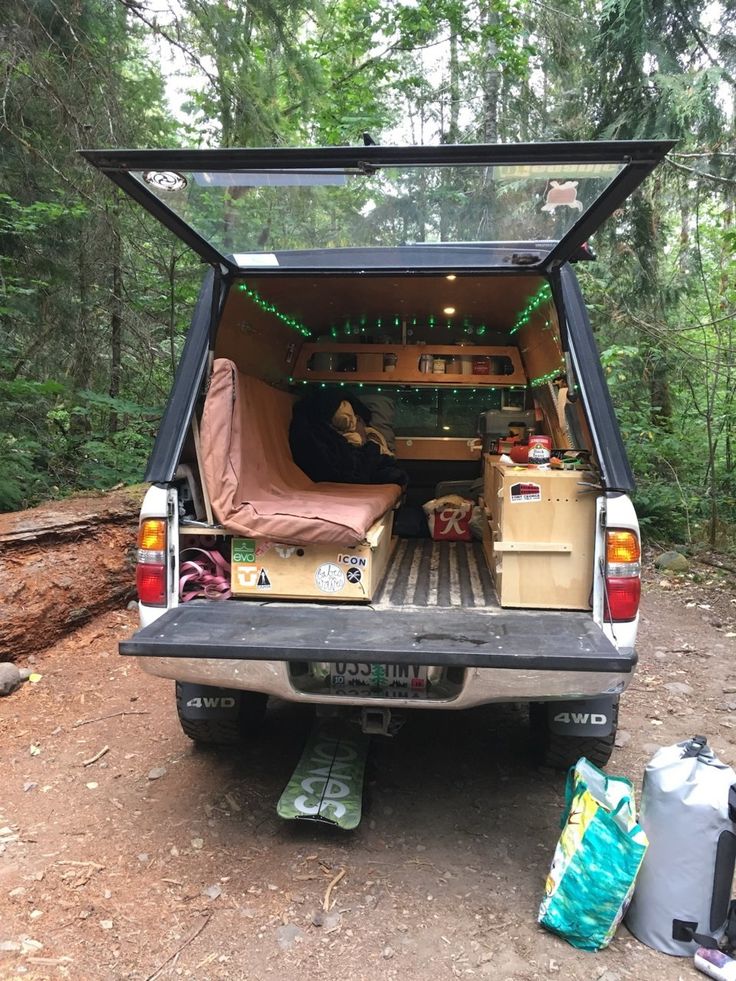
{"x":454,"y":638}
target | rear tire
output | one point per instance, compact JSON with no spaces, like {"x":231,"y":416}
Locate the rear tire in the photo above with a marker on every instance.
{"x":225,"y":732}
{"x":561,"y":752}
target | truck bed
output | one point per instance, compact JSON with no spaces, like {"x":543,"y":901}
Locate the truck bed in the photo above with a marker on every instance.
{"x":424,"y":573}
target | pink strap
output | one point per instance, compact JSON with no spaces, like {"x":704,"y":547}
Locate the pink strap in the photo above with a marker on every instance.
{"x":207,"y":575}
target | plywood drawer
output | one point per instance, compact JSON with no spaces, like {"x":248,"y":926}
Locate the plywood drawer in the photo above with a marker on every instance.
{"x":543,"y":538}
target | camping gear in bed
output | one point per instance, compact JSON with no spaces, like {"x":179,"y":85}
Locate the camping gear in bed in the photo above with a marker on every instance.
{"x":494,"y":424}
{"x":331,"y":439}
{"x":688,"y":810}
{"x":596,"y":860}
{"x":449,"y":518}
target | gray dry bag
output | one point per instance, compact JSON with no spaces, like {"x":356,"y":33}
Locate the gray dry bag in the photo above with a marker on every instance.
{"x":688,"y":810}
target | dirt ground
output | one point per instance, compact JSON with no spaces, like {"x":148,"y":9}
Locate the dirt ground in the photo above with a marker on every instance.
{"x":162,"y":861}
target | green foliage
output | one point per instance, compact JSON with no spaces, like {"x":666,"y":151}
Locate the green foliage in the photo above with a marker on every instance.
{"x":64,"y":441}
{"x":83,"y":371}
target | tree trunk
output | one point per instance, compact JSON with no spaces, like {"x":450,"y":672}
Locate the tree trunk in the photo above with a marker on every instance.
{"x":491,"y":80}
{"x":453,"y":131}
{"x":83,"y":358}
{"x":116,"y":324}
{"x":63,"y":563}
{"x":452,"y":135}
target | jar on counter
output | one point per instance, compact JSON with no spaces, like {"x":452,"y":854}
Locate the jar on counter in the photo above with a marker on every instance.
{"x":438,"y":366}
{"x":426,"y":364}
{"x":389,"y":362}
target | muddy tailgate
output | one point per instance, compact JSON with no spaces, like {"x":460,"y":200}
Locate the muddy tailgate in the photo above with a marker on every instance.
{"x":567,"y":641}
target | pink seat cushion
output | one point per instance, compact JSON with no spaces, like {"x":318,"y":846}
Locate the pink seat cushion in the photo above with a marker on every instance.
{"x":254,"y":485}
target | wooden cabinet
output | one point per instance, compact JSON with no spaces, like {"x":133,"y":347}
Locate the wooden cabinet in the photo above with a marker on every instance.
{"x":392,"y":364}
{"x":540,"y":539}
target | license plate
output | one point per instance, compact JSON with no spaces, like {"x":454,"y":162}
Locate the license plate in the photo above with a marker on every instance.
{"x":397,"y":680}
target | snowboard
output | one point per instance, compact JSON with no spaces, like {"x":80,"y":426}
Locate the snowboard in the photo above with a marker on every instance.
{"x":327,"y":784}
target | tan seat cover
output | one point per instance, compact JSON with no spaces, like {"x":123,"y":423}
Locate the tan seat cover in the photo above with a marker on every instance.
{"x":255,"y":487}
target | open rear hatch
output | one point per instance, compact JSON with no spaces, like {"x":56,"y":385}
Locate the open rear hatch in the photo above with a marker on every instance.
{"x":401,"y":208}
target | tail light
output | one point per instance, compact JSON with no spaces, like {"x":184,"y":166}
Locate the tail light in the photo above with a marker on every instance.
{"x":623,"y":575}
{"x":150,"y":574}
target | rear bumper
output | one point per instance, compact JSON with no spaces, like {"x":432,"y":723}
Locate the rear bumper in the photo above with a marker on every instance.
{"x":505,"y":655}
{"x":480,"y":687}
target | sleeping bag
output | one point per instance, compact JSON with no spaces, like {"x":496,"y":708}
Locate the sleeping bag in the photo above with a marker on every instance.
{"x":323,"y":452}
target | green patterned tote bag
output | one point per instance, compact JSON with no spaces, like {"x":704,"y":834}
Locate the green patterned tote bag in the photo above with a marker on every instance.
{"x":596,"y":861}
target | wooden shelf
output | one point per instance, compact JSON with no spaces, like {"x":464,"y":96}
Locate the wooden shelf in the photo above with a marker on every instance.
{"x":437,"y":448}
{"x":407,"y":370}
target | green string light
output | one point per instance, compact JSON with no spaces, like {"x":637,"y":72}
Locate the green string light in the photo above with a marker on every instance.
{"x":403,"y":389}
{"x":268,"y":307}
{"x":349,"y":328}
{"x":352,"y":327}
{"x":550,"y":376}
{"x":542,"y":295}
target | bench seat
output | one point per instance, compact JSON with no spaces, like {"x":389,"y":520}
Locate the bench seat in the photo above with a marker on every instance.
{"x":255,"y":487}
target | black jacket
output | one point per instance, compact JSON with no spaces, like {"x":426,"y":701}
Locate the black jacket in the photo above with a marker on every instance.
{"x":325,"y":455}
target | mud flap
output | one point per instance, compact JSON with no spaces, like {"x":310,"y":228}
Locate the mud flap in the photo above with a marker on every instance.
{"x":205,"y":702}
{"x":581,"y":717}
{"x":327,"y":784}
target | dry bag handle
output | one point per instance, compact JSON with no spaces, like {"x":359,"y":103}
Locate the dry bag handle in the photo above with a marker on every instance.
{"x":687,"y":931}
{"x":694,"y":747}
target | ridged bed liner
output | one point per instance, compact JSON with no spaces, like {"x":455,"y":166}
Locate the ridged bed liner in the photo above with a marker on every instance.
{"x":437,"y":574}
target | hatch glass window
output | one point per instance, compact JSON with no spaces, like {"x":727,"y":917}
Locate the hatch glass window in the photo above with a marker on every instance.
{"x":259,"y":212}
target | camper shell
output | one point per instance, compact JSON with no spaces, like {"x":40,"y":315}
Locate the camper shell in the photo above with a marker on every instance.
{"x":436,"y":284}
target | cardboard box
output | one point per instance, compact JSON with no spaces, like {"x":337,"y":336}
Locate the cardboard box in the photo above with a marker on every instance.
{"x":266,"y":569}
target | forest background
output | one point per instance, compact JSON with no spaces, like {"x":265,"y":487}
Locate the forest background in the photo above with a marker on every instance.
{"x":95,"y":298}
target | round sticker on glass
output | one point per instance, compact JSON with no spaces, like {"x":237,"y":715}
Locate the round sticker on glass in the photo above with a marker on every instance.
{"x":165,"y":180}
{"x":329,"y":578}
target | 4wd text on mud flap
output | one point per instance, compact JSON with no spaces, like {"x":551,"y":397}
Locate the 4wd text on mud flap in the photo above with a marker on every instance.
{"x":581,"y":718}
{"x":212,"y":701}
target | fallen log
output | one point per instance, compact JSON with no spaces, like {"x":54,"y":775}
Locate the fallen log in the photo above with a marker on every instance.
{"x":63,"y":563}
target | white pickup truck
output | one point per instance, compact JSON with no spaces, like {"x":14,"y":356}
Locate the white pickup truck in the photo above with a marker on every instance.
{"x":430,"y":290}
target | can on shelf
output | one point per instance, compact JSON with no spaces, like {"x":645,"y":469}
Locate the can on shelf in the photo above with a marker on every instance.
{"x":540,"y":450}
